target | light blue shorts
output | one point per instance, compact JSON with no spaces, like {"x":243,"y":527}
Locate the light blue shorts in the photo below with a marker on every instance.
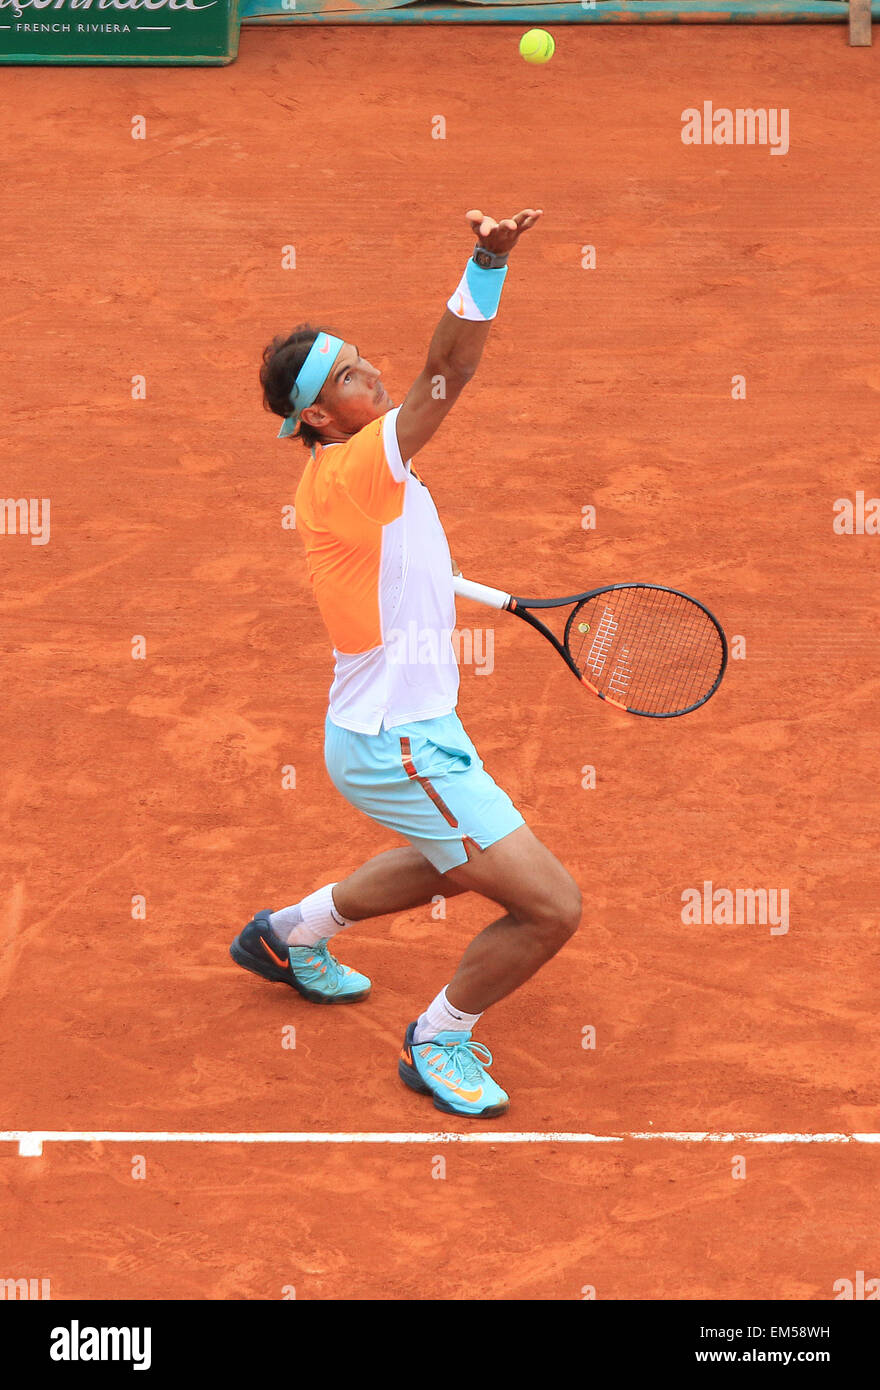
{"x":426,"y":782}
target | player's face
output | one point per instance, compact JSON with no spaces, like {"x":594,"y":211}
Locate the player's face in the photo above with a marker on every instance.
{"x":353,"y":395}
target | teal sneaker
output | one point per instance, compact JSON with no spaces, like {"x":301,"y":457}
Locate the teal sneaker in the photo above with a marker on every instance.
{"x":311,"y":970}
{"x":319,"y":976}
{"x":451,"y":1069}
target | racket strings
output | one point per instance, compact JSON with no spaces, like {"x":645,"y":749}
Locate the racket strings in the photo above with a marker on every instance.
{"x":679,"y":646}
{"x":680,"y":653}
{"x":649,"y":649}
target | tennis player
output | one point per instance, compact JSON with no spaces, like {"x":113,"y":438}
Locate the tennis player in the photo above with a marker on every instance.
{"x":380,"y":567}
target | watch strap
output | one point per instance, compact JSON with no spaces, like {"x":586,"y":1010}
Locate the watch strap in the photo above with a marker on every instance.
{"x":489,"y":260}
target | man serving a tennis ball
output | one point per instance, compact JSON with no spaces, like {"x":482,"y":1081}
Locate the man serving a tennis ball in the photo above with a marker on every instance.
{"x":394,"y":746}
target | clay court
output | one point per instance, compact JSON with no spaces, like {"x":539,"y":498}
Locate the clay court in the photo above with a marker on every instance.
{"x":161,"y":778}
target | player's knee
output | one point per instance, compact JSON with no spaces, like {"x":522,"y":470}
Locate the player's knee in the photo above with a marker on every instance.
{"x":556,"y":914}
{"x":570,"y":909}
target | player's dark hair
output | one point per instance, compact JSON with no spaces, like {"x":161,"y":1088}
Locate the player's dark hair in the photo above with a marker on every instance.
{"x":282,"y":359}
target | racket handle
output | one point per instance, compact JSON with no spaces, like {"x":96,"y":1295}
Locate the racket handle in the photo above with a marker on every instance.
{"x":480,"y":593}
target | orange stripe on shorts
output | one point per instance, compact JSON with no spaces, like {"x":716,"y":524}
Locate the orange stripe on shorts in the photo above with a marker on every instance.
{"x":425,"y":782}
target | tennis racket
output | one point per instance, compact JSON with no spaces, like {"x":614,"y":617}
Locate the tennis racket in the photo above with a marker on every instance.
{"x":642,"y":647}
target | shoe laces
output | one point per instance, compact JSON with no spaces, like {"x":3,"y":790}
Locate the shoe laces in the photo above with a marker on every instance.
{"x":322,"y":954}
{"x":467,"y":1059}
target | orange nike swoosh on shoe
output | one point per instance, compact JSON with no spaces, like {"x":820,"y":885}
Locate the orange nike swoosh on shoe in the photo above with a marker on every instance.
{"x":285,"y":964}
{"x":465,"y":1095}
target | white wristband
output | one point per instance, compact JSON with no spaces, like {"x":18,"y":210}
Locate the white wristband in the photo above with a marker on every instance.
{"x":478,"y":293}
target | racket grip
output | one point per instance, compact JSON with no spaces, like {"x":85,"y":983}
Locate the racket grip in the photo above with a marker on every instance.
{"x":480,"y":593}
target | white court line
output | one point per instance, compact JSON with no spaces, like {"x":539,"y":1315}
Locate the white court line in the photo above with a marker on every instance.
{"x":30,"y":1141}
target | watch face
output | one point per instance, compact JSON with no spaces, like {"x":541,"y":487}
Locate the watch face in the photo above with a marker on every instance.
{"x":483,"y":258}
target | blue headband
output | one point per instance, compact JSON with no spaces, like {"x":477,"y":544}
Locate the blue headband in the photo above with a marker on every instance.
{"x":310,"y":378}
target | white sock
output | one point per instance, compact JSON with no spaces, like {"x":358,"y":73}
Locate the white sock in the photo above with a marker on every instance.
{"x":314,"y":919}
{"x":285,"y":920}
{"x":440,"y":1017}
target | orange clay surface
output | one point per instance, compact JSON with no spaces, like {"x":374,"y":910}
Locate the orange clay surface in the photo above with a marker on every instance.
{"x":162,"y":777}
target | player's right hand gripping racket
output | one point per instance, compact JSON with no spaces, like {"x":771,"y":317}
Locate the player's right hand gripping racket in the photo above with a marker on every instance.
{"x":642,"y":647}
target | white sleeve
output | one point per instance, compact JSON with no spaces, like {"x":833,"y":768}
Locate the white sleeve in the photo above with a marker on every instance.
{"x":399,"y":467}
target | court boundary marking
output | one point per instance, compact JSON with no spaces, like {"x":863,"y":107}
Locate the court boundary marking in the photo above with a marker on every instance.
{"x":30,"y":1141}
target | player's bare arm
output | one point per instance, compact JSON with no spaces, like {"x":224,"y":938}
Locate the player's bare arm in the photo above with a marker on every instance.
{"x":458,"y":342}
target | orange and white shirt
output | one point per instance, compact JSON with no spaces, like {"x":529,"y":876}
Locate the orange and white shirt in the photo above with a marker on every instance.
{"x":381,"y":572}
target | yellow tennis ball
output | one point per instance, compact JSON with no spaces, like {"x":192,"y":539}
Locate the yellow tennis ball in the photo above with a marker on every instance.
{"x":537,"y":46}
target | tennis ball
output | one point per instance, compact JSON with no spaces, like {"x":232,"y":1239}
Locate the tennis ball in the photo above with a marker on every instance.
{"x":537,"y":46}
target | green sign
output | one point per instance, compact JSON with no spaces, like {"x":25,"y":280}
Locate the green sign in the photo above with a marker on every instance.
{"x":118,"y":31}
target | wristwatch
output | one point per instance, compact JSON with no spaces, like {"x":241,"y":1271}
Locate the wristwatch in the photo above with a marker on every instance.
{"x":488,"y":260}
